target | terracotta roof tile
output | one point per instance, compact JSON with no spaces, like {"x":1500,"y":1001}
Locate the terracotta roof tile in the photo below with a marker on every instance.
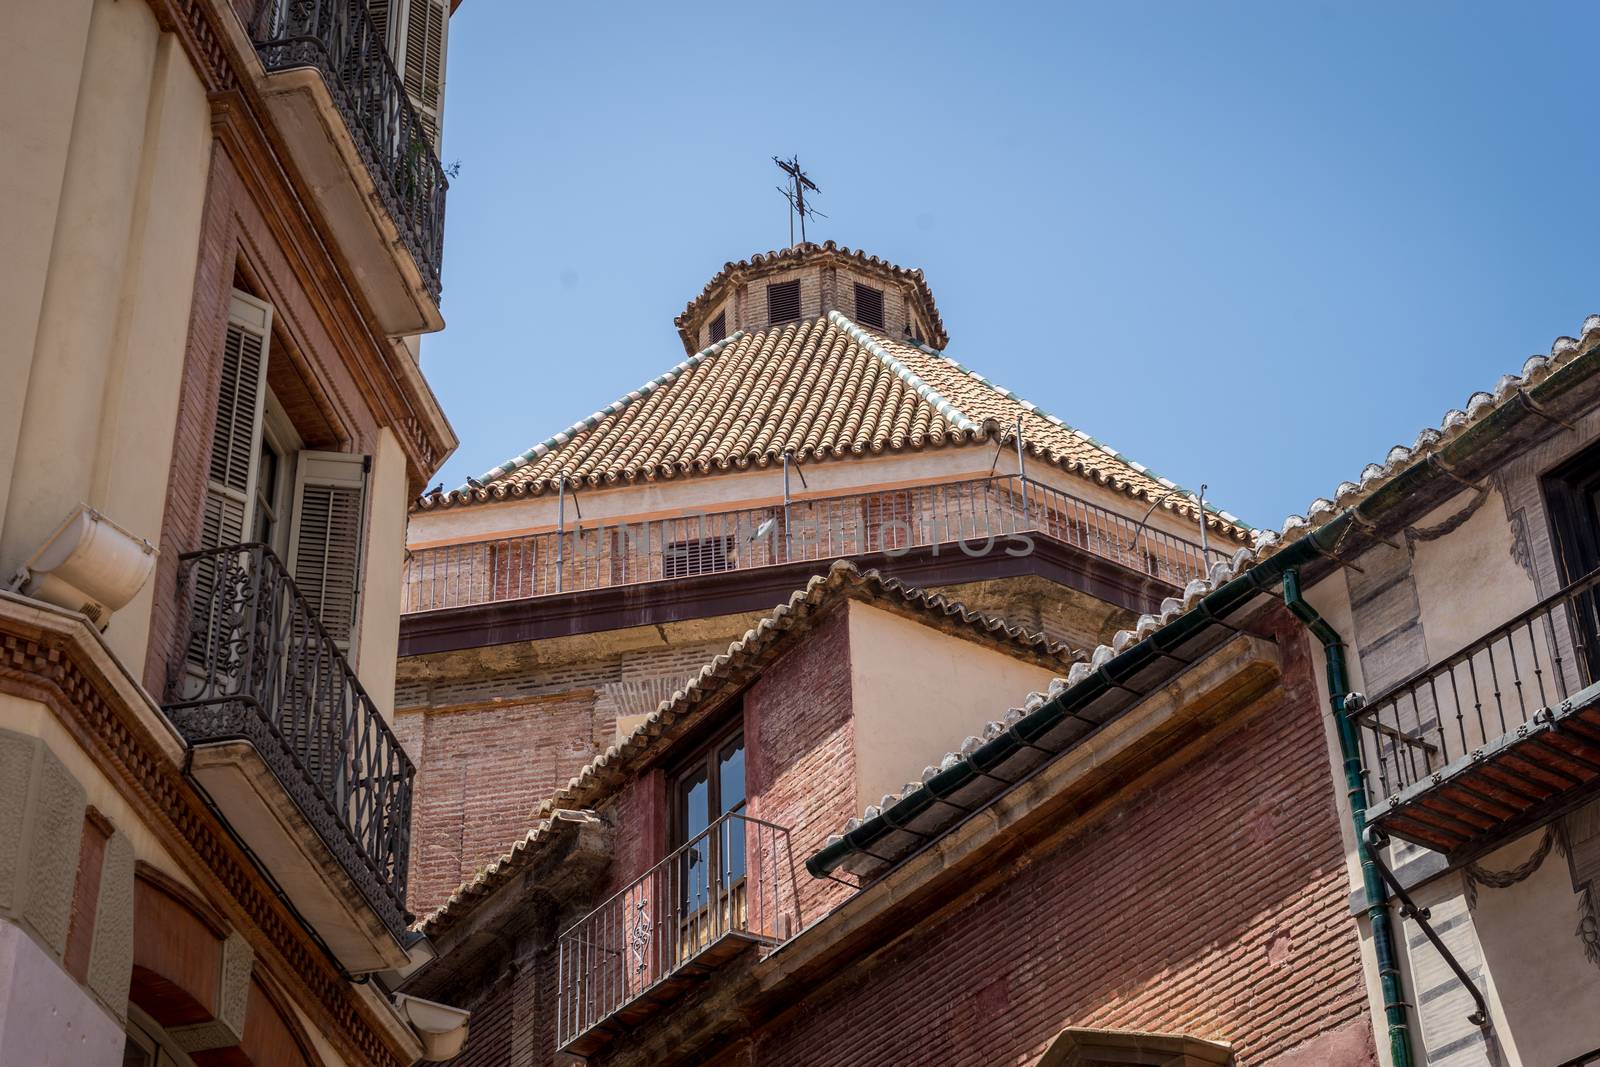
{"x":819,"y":389}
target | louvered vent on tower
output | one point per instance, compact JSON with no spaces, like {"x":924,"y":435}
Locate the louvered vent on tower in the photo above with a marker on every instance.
{"x":869,"y":306}
{"x":718,"y":328}
{"x":783,"y":302}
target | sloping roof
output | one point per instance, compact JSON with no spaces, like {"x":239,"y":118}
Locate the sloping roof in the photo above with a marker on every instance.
{"x":820,"y":389}
{"x":1511,"y":389}
{"x":975,"y":758}
{"x":724,"y":676}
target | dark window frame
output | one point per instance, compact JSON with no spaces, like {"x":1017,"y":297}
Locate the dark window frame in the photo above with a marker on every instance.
{"x":718,"y":329}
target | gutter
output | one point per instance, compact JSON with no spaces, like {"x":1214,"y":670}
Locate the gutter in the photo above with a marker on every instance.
{"x":1343,"y":702}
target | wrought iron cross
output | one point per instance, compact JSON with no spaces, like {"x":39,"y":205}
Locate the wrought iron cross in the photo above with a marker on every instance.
{"x":794,"y":191}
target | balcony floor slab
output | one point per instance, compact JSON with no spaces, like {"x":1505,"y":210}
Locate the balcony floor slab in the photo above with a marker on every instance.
{"x":258,"y":808}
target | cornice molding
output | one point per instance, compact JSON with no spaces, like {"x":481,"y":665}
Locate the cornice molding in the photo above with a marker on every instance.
{"x":55,"y":668}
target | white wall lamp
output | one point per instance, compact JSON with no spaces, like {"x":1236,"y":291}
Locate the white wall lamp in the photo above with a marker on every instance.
{"x":90,"y":564}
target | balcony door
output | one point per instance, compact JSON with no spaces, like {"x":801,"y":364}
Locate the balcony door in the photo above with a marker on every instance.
{"x":711,"y":867}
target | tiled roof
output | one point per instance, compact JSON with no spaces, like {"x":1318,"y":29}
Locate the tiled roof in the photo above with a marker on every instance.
{"x":723,"y":676}
{"x":808,"y":252}
{"x":1511,"y":389}
{"x":821,"y":389}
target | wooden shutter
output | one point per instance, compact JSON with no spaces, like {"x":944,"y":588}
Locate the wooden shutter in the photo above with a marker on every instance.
{"x":421,"y":63}
{"x":325,"y":543}
{"x":236,"y":434}
{"x":231,"y":475}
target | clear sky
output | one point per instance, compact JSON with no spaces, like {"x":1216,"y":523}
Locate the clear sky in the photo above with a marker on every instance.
{"x":1251,"y":245}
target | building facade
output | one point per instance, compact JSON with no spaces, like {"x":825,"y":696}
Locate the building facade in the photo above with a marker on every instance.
{"x":1453,"y":584}
{"x":224,"y":226}
{"x":1024,"y":768}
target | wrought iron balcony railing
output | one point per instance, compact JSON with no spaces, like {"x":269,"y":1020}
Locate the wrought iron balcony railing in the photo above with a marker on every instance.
{"x":260,"y":667}
{"x":1494,"y":687}
{"x":338,"y":38}
{"x":983,"y":513}
{"x":730,"y":887}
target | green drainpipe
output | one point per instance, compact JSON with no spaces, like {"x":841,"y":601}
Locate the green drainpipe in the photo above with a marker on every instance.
{"x":1394,"y":1006}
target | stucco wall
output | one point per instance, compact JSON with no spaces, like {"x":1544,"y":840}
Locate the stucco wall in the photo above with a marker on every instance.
{"x":379,"y":634}
{"x":918,"y":692}
{"x":101,"y":274}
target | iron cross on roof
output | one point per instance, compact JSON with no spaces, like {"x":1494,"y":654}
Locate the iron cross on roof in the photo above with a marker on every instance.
{"x":795,"y":193}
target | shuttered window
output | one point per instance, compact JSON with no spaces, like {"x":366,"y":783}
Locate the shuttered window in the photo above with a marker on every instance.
{"x":719,"y":327}
{"x":869,"y":306}
{"x":231,"y":475}
{"x":422,"y":64}
{"x":783,"y":302}
{"x":325,"y":546}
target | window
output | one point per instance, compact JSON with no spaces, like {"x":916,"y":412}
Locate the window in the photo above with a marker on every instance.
{"x":783,"y":302}
{"x":1572,"y":493}
{"x":261,"y":485}
{"x":1084,"y":1047}
{"x":869,"y":306}
{"x":719,"y":327}
{"x":415,"y":32}
{"x":697,"y":555}
{"x":707,"y":787}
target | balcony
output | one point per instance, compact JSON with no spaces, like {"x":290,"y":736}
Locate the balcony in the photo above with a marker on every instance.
{"x":292,"y":752}
{"x":981,"y":516}
{"x":1495,"y":740}
{"x":729,"y":890}
{"x":360,"y":144}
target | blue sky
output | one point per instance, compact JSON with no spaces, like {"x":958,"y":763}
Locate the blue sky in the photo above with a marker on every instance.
{"x":1248,"y":245}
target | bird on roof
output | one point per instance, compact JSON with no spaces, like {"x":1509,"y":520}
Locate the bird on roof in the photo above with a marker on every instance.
{"x":437,"y":490}
{"x":474,"y":483}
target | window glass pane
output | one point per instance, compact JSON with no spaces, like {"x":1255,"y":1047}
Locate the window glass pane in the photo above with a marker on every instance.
{"x":694,"y":791}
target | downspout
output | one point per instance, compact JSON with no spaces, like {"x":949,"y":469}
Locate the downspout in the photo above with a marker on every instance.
{"x":1394,"y":1005}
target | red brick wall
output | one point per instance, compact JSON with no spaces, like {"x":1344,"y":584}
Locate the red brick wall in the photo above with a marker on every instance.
{"x":481,"y":772}
{"x":1212,"y":902}
{"x":800,"y":764}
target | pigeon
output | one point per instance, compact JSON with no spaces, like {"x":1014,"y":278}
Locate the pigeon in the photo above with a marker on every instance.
{"x":474,"y":483}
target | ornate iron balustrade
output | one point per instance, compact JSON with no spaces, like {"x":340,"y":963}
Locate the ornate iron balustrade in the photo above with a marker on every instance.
{"x":733,"y":885}
{"x":1487,"y":690}
{"x":260,"y":667}
{"x":338,"y":38}
{"x":985,"y":514}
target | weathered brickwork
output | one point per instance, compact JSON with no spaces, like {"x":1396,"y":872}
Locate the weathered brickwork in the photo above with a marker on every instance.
{"x":481,"y":773}
{"x":1208,"y":899}
{"x":800,"y":749}
{"x":490,"y":747}
{"x":1211,"y":902}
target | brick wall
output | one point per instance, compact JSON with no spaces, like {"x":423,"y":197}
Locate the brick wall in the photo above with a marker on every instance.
{"x":489,"y":747}
{"x":480,"y":774}
{"x":1209,"y":900}
{"x":1212,"y":902}
{"x":799,"y":750}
